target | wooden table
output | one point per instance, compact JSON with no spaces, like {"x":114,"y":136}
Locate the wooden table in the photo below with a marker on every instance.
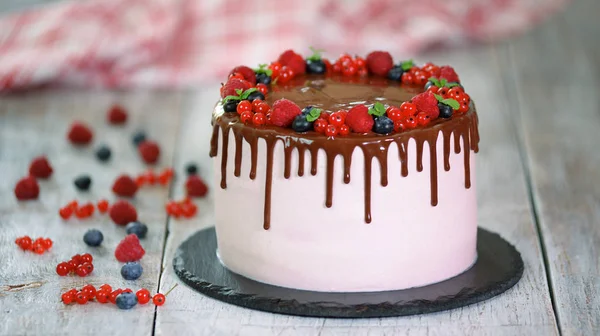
{"x":538,"y":186}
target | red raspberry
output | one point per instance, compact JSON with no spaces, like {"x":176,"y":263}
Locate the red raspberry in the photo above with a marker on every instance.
{"x":125,"y":186}
{"x":195,"y":187}
{"x":245,"y":71}
{"x":122,"y":213}
{"x":27,"y":189}
{"x":380,"y":62}
{"x":129,"y":249}
{"x":149,"y":151}
{"x":116,"y":115}
{"x":449,"y":74}
{"x":283,"y":112}
{"x":359,"y":120}
{"x":293,"y":61}
{"x":40,"y":167}
{"x":426,"y":102}
{"x":80,"y":134}
{"x":232,"y":85}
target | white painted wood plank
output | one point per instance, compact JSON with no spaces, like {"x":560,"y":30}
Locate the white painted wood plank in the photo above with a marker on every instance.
{"x":35,"y":124}
{"x":504,"y":208}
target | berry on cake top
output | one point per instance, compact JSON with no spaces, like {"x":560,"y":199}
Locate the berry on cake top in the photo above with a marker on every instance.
{"x":435,"y":94}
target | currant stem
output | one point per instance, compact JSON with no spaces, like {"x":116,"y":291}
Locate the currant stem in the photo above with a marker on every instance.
{"x":169,"y":291}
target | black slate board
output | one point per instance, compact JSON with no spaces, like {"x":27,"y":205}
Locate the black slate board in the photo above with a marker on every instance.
{"x":499,"y":267}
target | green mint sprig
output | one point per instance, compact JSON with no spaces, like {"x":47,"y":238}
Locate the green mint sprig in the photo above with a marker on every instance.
{"x":442,"y":82}
{"x":313,"y":115}
{"x":450,"y":102}
{"x":316,"y":56}
{"x":378,"y":109}
{"x":241,"y":95}
{"x":262,"y":68}
{"x":406,"y":65}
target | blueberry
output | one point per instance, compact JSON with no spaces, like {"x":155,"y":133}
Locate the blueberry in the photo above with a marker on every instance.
{"x":103,"y":153}
{"x":315,"y":67}
{"x":428,"y":85}
{"x":191,"y":168}
{"x":126,"y":300}
{"x":306,"y":110}
{"x":395,"y":73}
{"x":83,"y":182}
{"x":300,"y":124}
{"x":231,"y":105}
{"x":131,"y":271}
{"x":140,"y":229}
{"x":445,"y":110}
{"x":93,"y":237}
{"x":263,"y":78}
{"x":256,"y":95}
{"x":383,"y":125}
{"x":139,"y":137}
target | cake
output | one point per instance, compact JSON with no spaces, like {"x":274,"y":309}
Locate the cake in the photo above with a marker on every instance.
{"x":351,"y":176}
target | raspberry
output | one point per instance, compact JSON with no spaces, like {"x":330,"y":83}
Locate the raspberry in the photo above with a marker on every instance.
{"x":246,"y":72}
{"x":293,"y":61}
{"x":195,"y":186}
{"x":27,"y":189}
{"x":125,"y":186}
{"x":283,"y":112}
{"x":149,"y":151}
{"x":116,"y":115}
{"x":122,"y":212}
{"x":232,"y":85}
{"x":40,"y":167}
{"x":359,"y":120}
{"x":426,"y":102}
{"x":129,"y":249}
{"x":80,"y":134}
{"x":380,"y":62}
{"x":448,"y":73}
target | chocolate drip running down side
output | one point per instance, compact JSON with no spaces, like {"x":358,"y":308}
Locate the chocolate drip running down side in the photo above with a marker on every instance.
{"x":373,"y":146}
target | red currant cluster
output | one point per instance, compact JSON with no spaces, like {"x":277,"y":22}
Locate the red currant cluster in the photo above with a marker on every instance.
{"x":185,"y":208}
{"x":281,"y":73}
{"x":332,"y":124}
{"x":82,"y":211}
{"x":106,"y":294}
{"x":38,"y":246}
{"x":151,"y":178}
{"x":456,"y":92}
{"x":419,"y":75}
{"x":349,"y":67}
{"x":79,"y":264}
{"x":256,"y":112}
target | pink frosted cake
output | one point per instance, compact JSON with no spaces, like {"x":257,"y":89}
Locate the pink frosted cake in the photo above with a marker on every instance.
{"x":346,"y":177}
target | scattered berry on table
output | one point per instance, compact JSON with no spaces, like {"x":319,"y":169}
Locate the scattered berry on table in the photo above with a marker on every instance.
{"x":395,"y":73}
{"x":195,"y":186}
{"x":103,"y":296}
{"x":283,"y":112}
{"x":106,"y":287}
{"x":383,"y":125}
{"x":81,"y":298}
{"x":67,"y":298}
{"x":83,"y":182}
{"x":129,"y":249}
{"x":125,"y":186}
{"x":138,"y":228}
{"x":131,"y":271}
{"x":126,"y":300}
{"x":138,"y":138}
{"x":445,"y":110}
{"x":359,"y":120}
{"x":103,"y":153}
{"x":93,"y":237}
{"x":122,"y":212}
{"x":379,"y":62}
{"x":231,"y":105}
{"x":102,"y":205}
{"x":27,"y":188}
{"x":89,"y":291}
{"x":159,"y":299}
{"x":81,"y":271}
{"x":80,"y":134}
{"x":113,"y":295}
{"x":143,"y":296}
{"x":191,"y":168}
{"x":85,"y":211}
{"x":38,"y":246}
{"x":89,"y":267}
{"x":116,"y":115}
{"x":62,"y":269}
{"x":149,"y":151}
{"x":40,"y":167}
{"x":165,"y":176}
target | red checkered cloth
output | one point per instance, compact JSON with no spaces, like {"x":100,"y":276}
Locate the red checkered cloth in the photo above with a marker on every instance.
{"x":175,"y":43}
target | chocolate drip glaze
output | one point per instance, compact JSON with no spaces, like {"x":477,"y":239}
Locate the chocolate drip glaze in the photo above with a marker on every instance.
{"x":332,"y":94}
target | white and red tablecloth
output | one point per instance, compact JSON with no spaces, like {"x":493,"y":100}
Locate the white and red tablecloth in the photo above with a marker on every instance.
{"x":175,"y":43}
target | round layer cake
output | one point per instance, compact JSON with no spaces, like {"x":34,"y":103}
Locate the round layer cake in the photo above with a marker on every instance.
{"x":356,"y":205}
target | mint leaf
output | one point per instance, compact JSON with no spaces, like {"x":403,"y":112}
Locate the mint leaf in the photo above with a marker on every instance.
{"x":247,"y":93}
{"x":269,"y":72}
{"x":262,"y":68}
{"x":452,"y":103}
{"x":316,"y":56}
{"x":438,"y":97}
{"x":406,"y":65}
{"x":239,"y":91}
{"x":228,"y":98}
{"x":313,"y":115}
{"x":435,"y":81}
{"x":450,"y":85}
{"x":443,"y":82}
{"x":378,"y":109}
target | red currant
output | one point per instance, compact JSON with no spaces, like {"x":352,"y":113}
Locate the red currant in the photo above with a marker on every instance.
{"x":262,"y":108}
{"x":159,"y":299}
{"x":113,"y":295}
{"x":106,"y":287}
{"x":349,"y":70}
{"x":464,"y":98}
{"x":259,"y":119}
{"x":423,"y":119}
{"x":77,"y":259}
{"x":81,"y":298}
{"x":455,"y":92}
{"x":408,"y":78}
{"x":143,"y":296}
{"x":360,"y":62}
{"x":73,"y":205}
{"x":434,"y":70}
{"x":81,"y":271}
{"x":38,"y":249}
{"x":337,"y":118}
{"x":443,"y":91}
{"x":246,"y":117}
{"x":262,"y":88}
{"x":67,"y":298}
{"x":464,"y":107}
{"x":363,"y":72}
{"x":72,"y":265}
{"x":62,"y":269}
{"x":81,"y":213}
{"x":331,"y":131}
{"x":408,"y":109}
{"x":65,"y":213}
{"x":47,"y":243}
{"x":103,"y":296}
{"x":127,"y":290}
{"x":337,"y":67}
{"x":285,"y":75}
{"x":433,"y":89}
{"x":102,"y":206}
{"x":410,"y":123}
{"x":89,"y":267}
{"x":255,"y":103}
{"x":345,"y":60}
{"x":244,"y":106}
{"x":237,"y":75}
{"x":399,"y":125}
{"x":420,"y":77}
{"x":344,"y":130}
{"x":276,"y":68}
{"x":86,"y":257}
{"x":394,"y":113}
{"x":26,"y":243}
{"x":89,"y":291}
{"x":189,"y":210}
{"x":320,"y":125}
